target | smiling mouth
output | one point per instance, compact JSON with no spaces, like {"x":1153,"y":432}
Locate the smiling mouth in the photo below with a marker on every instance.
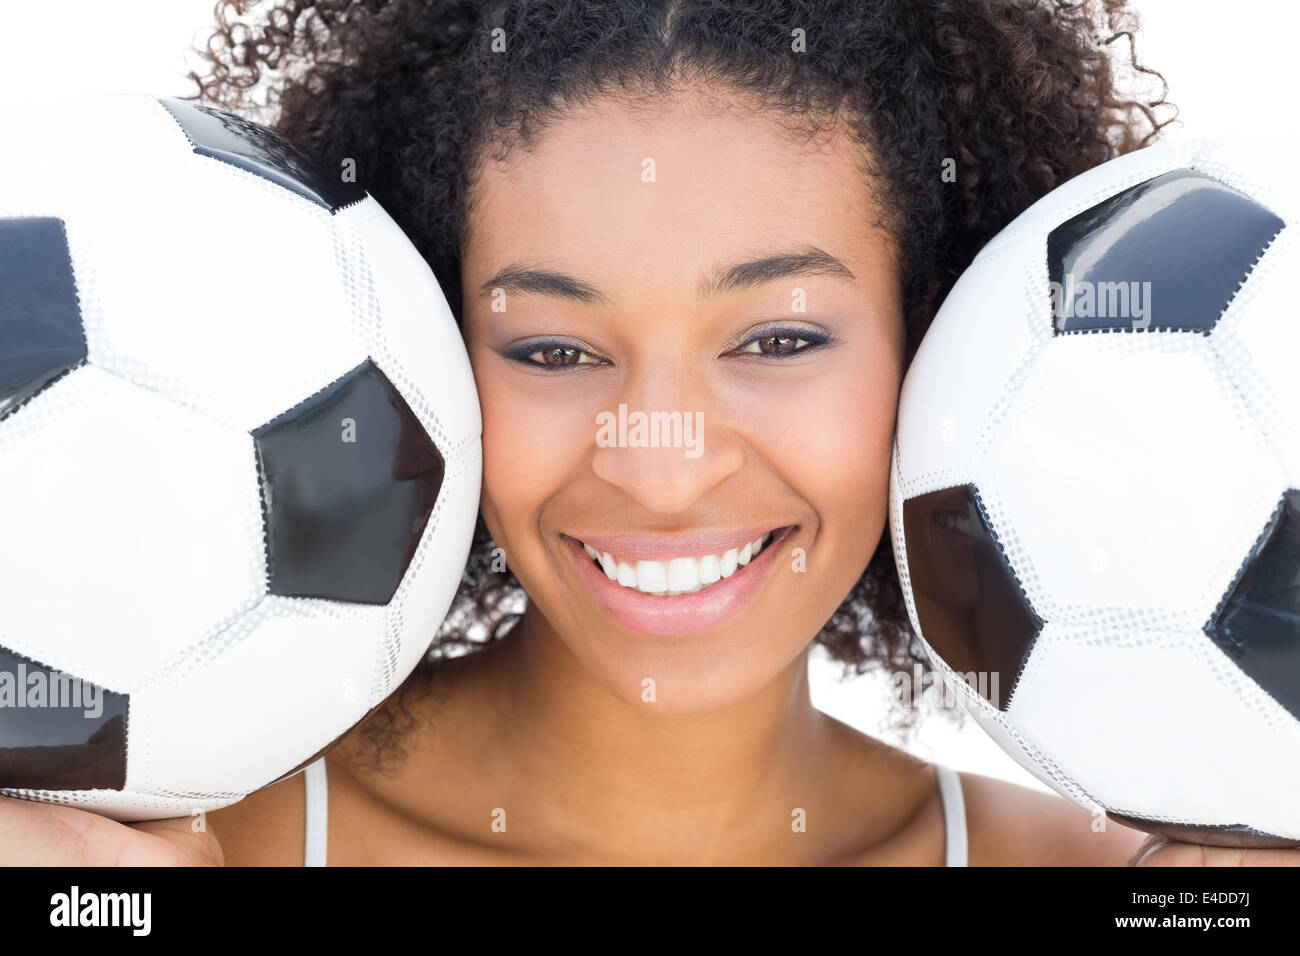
{"x":677,"y":576}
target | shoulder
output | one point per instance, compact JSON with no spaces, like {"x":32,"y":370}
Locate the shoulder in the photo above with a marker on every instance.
{"x":1011,"y":825}
{"x":1006,"y":824}
{"x":265,"y":828}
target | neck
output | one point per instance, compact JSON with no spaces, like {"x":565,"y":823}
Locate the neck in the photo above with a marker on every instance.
{"x":714,"y":784}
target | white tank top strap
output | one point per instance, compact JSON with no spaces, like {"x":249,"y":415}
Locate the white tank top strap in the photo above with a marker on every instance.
{"x":317,"y":813}
{"x":954,"y":815}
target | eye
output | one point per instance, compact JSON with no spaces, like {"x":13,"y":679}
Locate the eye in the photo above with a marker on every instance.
{"x":552,"y":355}
{"x":780,"y":342}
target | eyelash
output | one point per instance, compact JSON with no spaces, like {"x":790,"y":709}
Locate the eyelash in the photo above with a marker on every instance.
{"x":812,"y":339}
{"x":521,"y":353}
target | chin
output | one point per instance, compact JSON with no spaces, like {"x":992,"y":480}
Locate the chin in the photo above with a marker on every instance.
{"x":695,"y":674}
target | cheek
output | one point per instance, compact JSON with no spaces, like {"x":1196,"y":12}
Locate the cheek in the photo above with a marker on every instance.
{"x":830,"y":437}
{"x":850,"y":489}
{"x":855,"y":446}
{"x":831,"y":442}
{"x":534,"y":441}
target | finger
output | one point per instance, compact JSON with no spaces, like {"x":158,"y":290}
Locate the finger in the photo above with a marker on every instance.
{"x":1152,"y":843}
{"x":1249,"y":856}
{"x":186,"y":845}
{"x":45,"y":834}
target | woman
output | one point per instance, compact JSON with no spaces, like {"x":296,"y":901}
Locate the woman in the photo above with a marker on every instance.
{"x":734,"y":211}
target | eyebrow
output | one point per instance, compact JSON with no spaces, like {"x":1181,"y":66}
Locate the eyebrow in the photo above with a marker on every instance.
{"x":806,"y":261}
{"x":809,"y":261}
{"x":522,"y":278}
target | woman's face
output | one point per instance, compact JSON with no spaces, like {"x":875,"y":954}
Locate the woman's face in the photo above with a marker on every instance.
{"x":703,"y":265}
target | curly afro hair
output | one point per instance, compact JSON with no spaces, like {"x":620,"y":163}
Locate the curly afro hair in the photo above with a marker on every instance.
{"x":1021,"y":94}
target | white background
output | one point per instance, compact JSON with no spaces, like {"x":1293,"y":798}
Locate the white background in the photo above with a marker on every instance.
{"x":1230,"y":66}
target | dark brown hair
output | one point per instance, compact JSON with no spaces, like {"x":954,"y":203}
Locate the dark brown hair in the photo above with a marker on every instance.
{"x":1021,"y":94}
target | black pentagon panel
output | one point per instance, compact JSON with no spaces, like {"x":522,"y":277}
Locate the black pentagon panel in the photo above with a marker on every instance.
{"x":349,"y":479}
{"x":263,"y":152}
{"x":1231,"y":834}
{"x":971,"y":607}
{"x":1166,"y":254}
{"x":58,"y":732}
{"x":41,"y":334}
{"x":1257,"y":623}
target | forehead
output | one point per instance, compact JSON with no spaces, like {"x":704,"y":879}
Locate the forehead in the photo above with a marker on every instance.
{"x":657,"y":192}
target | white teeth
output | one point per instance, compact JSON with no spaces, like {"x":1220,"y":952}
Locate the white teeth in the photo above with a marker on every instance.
{"x":727,"y":564}
{"x":651,"y":577}
{"x":685,"y":575}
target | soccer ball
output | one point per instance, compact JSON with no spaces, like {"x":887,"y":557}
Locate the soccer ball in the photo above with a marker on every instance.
{"x":240,"y":456}
{"x":1095,"y":490}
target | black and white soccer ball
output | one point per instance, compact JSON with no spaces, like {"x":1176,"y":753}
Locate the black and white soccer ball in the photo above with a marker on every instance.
{"x":1095,"y":495}
{"x":240,"y":456}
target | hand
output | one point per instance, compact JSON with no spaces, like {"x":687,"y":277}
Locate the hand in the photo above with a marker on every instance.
{"x":49,"y":834}
{"x":1159,"y":850}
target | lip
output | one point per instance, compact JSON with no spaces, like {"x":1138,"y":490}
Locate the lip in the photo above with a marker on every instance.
{"x":663,"y":616}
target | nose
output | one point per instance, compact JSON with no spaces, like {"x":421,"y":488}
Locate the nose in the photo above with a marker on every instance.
{"x":665,"y":447}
